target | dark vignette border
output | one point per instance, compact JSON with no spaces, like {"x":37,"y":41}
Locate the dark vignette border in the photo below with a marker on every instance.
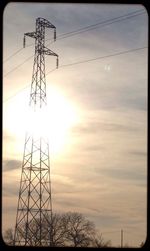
{"x":3,"y":4}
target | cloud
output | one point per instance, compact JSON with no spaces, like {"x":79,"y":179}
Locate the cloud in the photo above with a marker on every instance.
{"x":93,"y":148}
{"x":126,"y":173}
{"x":139,"y":154}
{"x":97,"y":127}
{"x":10,"y":165}
{"x":11,"y":189}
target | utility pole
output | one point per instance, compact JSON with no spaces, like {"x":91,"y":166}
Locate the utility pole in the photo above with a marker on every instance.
{"x":34,"y":210}
{"x":121,"y":238}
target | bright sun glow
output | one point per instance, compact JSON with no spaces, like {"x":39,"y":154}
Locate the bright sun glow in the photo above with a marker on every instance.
{"x":54,"y":121}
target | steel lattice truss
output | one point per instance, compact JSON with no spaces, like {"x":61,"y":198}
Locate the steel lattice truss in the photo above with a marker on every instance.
{"x":34,"y":212}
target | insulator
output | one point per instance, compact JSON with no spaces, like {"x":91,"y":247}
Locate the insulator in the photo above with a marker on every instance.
{"x":24,"y":42}
{"x":57,"y":61}
{"x":55,"y":34}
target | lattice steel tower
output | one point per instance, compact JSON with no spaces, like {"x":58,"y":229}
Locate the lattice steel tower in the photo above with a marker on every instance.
{"x":34,"y":204}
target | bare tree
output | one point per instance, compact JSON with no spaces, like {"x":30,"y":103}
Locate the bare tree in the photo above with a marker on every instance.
{"x":99,"y":242}
{"x":58,"y":230}
{"x":8,"y":236}
{"x":69,"y":229}
{"x":78,"y":230}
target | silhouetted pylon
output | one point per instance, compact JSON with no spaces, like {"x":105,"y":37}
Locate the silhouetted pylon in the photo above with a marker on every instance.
{"x":34,"y":203}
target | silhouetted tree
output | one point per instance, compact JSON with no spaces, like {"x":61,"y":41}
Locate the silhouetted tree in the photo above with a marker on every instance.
{"x":8,"y":236}
{"x":58,"y":232}
{"x":70,"y":229}
{"x":99,"y":242}
{"x":79,"y":231}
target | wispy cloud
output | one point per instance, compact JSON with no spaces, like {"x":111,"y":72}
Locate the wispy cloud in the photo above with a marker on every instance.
{"x":138,"y":153}
{"x":97,"y":127}
{"x":126,"y":173}
{"x":9,"y":165}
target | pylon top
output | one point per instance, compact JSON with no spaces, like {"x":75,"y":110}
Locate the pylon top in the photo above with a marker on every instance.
{"x":45,"y":22}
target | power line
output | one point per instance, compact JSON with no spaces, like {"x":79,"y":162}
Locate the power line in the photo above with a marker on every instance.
{"x":89,"y":27}
{"x":106,"y":56}
{"x":92,"y":26}
{"x":84,"y":61}
{"x":16,"y":52}
{"x":22,"y":89}
{"x":25,"y":87}
{"x":18,"y":66}
{"x":104,"y":23}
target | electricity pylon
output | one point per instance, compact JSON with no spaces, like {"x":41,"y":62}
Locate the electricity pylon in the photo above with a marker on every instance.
{"x":34,"y":209}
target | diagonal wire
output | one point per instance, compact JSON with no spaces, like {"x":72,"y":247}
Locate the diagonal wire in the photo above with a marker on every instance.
{"x":106,"y":56}
{"x":81,"y":62}
{"x":16,"y":52}
{"x":18,"y":66}
{"x":87,"y":28}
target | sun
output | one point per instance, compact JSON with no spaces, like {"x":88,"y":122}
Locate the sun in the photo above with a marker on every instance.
{"x":53,"y":121}
{"x":61,"y":116}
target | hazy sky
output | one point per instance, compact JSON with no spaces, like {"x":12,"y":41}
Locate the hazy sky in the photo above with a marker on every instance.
{"x":99,"y":110}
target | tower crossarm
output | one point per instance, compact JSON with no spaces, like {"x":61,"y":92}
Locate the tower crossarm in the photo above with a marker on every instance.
{"x":41,"y":24}
{"x":49,"y":52}
{"x":45,"y":23}
{"x":31,"y":34}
